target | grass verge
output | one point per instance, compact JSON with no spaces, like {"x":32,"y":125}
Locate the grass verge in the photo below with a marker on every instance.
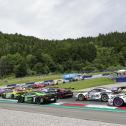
{"x":86,"y":83}
{"x":13,"y":80}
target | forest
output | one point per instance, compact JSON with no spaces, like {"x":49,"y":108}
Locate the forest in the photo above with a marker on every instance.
{"x":26,"y":55}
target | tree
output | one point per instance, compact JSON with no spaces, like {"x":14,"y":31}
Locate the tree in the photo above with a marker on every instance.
{"x":101,"y":52}
{"x":31,"y":60}
{"x":21,"y":69}
{"x":5,"y":67}
{"x":41,"y":69}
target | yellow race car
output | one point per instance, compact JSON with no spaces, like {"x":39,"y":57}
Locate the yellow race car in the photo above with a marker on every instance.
{"x":13,"y":94}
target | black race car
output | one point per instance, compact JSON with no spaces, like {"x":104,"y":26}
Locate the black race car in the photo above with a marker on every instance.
{"x":64,"y":93}
{"x":61,"y":93}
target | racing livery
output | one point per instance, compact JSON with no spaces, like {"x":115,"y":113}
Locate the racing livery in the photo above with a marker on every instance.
{"x":13,"y":94}
{"x":37,"y":97}
{"x":61,"y":93}
{"x":101,"y":94}
{"x":64,"y":93}
{"x":117,"y":100}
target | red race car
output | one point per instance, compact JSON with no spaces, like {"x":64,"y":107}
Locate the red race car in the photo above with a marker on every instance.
{"x":38,"y":85}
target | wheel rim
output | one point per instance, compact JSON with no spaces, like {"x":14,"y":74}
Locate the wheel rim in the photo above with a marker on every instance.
{"x":104,"y":98}
{"x":81,"y":97}
{"x":118,"y":102}
{"x":21,"y":99}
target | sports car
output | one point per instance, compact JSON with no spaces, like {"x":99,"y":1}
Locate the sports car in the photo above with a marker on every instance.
{"x":118,"y":99}
{"x":37,"y":97}
{"x":47,"y":89}
{"x":13,"y":94}
{"x":64,"y":93}
{"x":38,"y":85}
{"x":61,"y":93}
{"x":101,"y":94}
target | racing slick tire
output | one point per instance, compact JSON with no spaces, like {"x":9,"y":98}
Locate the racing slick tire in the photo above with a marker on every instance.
{"x":104,"y":97}
{"x":118,"y":102}
{"x":81,"y":97}
{"x":37,"y":100}
{"x":20,"y":99}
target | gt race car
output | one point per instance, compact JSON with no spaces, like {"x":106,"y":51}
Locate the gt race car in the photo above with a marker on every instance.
{"x":64,"y":93}
{"x":118,"y":99}
{"x":61,"y":93}
{"x":13,"y":94}
{"x":37,"y":97}
{"x":101,"y":94}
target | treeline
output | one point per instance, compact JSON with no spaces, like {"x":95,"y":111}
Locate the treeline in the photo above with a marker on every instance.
{"x":27,"y":55}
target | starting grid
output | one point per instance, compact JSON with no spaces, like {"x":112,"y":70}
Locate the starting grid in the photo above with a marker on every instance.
{"x":95,"y":107}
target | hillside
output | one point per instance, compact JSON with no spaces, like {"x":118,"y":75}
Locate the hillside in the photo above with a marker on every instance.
{"x":27,"y":55}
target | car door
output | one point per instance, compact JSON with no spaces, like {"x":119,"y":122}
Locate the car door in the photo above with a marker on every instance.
{"x":93,"y":94}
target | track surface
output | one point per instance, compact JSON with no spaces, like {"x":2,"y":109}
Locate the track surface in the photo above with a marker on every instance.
{"x":103,"y":116}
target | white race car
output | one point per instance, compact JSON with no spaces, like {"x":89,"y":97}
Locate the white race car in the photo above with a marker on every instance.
{"x":100,"y":93}
{"x":117,"y":100}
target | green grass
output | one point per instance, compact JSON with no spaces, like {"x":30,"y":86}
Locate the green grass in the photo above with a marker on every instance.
{"x":96,"y":73}
{"x":86,"y":83}
{"x":13,"y":80}
{"x":76,"y":85}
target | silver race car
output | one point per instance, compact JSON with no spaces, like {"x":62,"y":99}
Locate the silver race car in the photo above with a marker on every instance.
{"x":101,"y":94}
{"x":117,"y":100}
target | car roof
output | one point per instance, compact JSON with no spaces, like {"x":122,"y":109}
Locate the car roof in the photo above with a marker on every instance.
{"x":103,"y":88}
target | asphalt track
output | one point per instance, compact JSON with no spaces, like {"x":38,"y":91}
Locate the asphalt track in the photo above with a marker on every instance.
{"x":66,"y":111}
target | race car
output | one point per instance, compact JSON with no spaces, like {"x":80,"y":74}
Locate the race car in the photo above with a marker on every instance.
{"x":48,"y":82}
{"x":13,"y":94}
{"x":37,"y":97}
{"x":47,"y":89}
{"x":64,"y":93}
{"x":38,"y":85}
{"x":101,"y":94}
{"x":61,"y":93}
{"x":117,"y":100}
